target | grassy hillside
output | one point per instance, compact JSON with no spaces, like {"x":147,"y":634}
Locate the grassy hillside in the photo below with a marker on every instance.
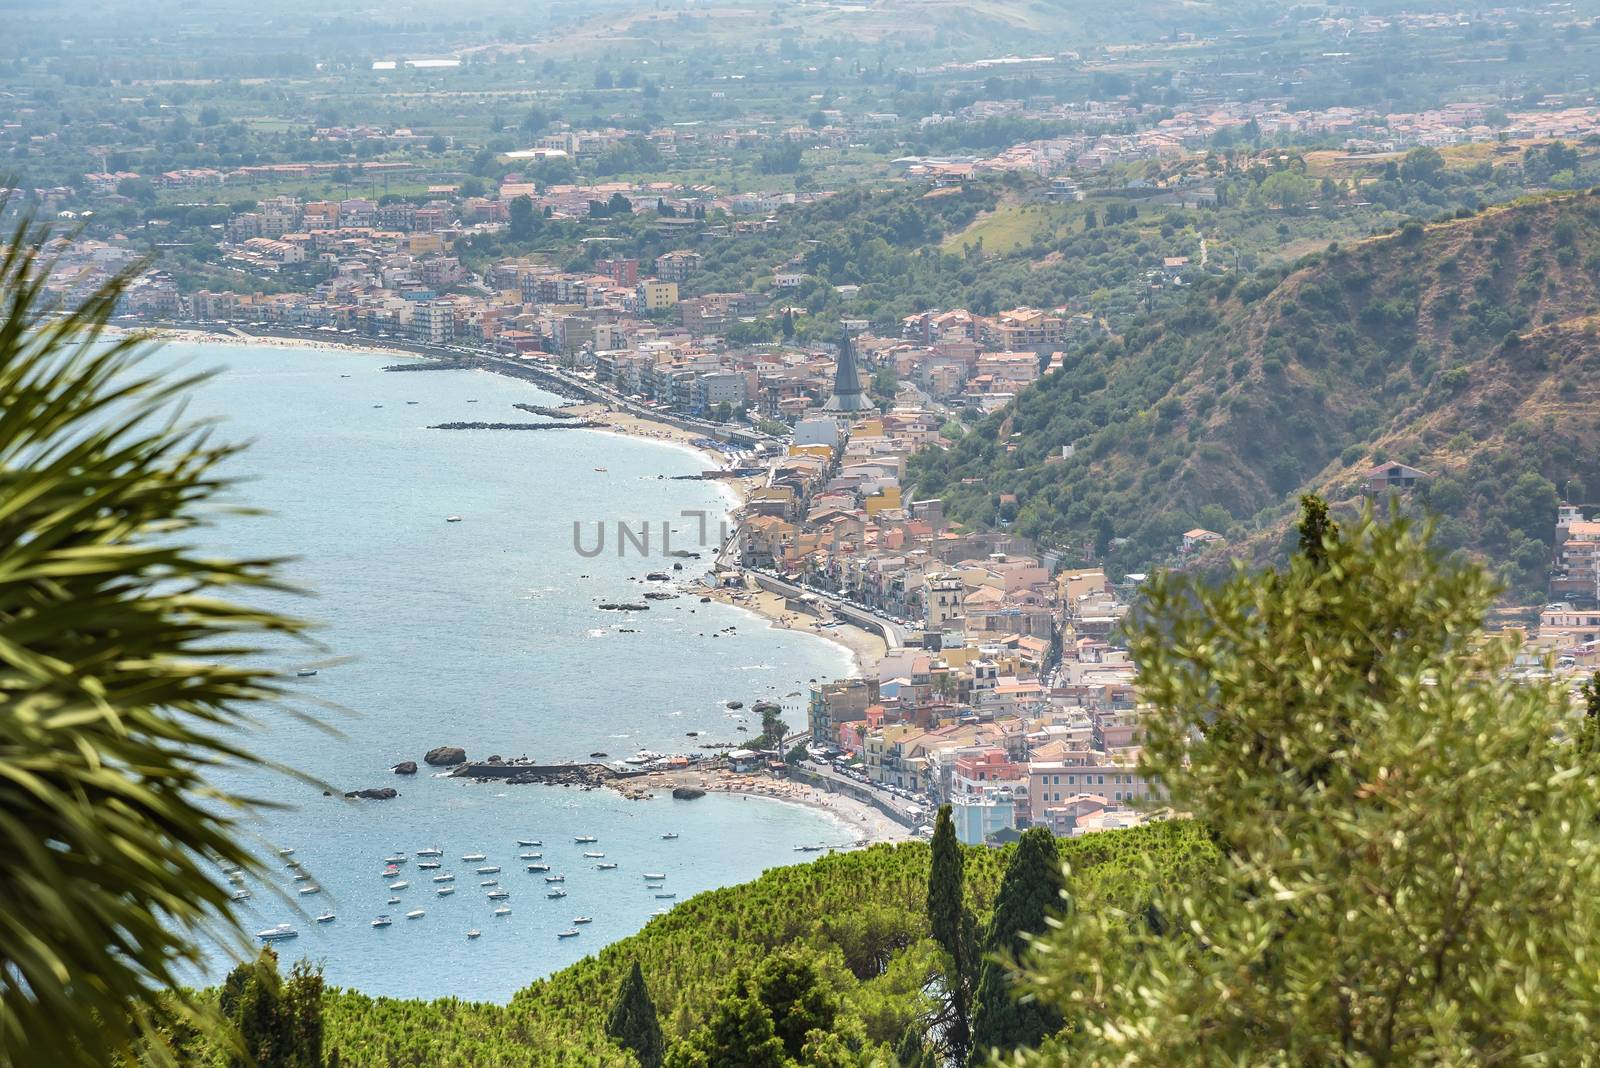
{"x":1467,"y":348}
{"x":860,"y":915}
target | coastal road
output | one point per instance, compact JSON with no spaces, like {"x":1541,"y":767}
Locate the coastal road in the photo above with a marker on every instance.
{"x":894,"y":635}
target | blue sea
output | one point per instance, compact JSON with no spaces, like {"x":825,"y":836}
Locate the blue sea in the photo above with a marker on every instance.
{"x":483,"y":633}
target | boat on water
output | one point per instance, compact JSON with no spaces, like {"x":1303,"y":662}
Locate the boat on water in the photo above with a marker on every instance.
{"x":395,"y":858}
{"x":428,"y":865}
{"x":569,"y":933}
{"x":582,"y":919}
{"x":594,"y":856}
{"x":382,"y":921}
{"x":598,"y":755}
{"x":474,"y":933}
{"x":555,"y":878}
{"x":299,"y":876}
{"x":609,"y":865}
{"x":668,"y":894}
{"x":305,"y":673}
{"x":235,"y":877}
{"x":240,"y":895}
{"x":291,"y":864}
{"x":652,"y":886}
{"x":394,"y":901}
{"x":669,"y":836}
{"x":490,"y":882}
{"x":498,"y":895}
{"x":431,"y":851}
{"x":556,"y":893}
{"x":278,"y":933}
{"x":654,"y":875}
{"x":286,"y":852}
{"x":447,"y":877}
{"x":538,"y":867}
{"x":391,"y":871}
{"x":326,"y":917}
{"x":415,"y":914}
{"x":489,"y":869}
{"x":401,"y":885}
{"x":531,"y":856}
{"x":661,"y":912}
{"x":444,"y":890}
{"x":526,"y":843}
{"x":312,"y":889}
{"x":585,"y":838}
{"x":503,"y":910}
{"x":601,"y":470}
{"x":452,"y":519}
{"x":469,"y":857}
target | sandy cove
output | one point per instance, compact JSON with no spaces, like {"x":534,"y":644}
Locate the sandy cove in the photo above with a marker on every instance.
{"x":860,"y":823}
{"x":865,"y":647}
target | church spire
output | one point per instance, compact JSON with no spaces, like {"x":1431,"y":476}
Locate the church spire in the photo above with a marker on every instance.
{"x":847,"y":396}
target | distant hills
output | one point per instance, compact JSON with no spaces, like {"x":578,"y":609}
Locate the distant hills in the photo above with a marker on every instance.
{"x":1467,"y":349}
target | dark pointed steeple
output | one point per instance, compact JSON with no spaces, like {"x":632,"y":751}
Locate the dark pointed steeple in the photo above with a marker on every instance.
{"x":848,"y":396}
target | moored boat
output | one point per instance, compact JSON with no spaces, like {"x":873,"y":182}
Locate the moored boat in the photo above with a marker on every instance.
{"x":326,"y":917}
{"x":570,"y":933}
{"x":382,"y":921}
{"x":470,"y":857}
{"x":654,"y":875}
{"x":415,"y":914}
{"x":278,"y":933}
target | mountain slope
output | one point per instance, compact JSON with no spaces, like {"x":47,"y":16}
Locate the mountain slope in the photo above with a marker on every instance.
{"x":1466,"y":348}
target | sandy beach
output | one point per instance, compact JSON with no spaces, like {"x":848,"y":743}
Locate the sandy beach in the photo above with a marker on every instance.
{"x":865,"y":647}
{"x":859,"y":823}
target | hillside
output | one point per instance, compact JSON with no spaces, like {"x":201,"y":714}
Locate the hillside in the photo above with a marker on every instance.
{"x":1467,"y":348}
{"x":859,"y":915}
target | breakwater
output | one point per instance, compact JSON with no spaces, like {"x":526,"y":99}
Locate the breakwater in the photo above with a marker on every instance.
{"x":545,"y":410}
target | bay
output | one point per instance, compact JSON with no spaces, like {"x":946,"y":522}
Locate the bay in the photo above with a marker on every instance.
{"x":483,"y":633}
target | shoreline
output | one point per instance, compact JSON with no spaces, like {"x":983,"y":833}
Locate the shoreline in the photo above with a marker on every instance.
{"x":865,"y":825}
{"x":864,"y":648}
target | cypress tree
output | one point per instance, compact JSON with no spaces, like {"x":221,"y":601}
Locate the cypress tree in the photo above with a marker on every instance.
{"x":954,"y":928}
{"x":1316,"y":529}
{"x":1030,"y":888}
{"x":633,"y":1023}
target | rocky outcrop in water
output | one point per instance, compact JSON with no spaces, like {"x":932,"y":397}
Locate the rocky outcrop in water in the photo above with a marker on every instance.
{"x":381,"y":793}
{"x":687,"y":793}
{"x":618,"y":607}
{"x":405,"y":767}
{"x":446,"y":756}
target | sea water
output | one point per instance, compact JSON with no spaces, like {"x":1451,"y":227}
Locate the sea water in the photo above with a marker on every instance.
{"x":484,"y":634}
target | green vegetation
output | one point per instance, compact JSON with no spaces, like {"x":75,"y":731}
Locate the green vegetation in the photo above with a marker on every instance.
{"x":1029,"y":893}
{"x":123,"y":680}
{"x":1411,"y":841}
{"x":1458,"y":348}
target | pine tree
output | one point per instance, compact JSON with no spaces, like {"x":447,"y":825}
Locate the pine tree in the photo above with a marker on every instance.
{"x":1316,"y":529}
{"x":794,"y":995}
{"x":739,"y":1032}
{"x":954,"y":928}
{"x":633,"y":1024}
{"x":1029,"y":890}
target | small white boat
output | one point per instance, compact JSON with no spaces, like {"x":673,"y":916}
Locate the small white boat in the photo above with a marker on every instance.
{"x":503,"y":910}
{"x":238,"y":877}
{"x":279,"y":933}
{"x":469,"y":857}
{"x":531,"y":856}
{"x":538,"y":867}
{"x":669,"y":836}
{"x":489,"y":869}
{"x":609,"y":865}
{"x":326,"y":917}
{"x":666,"y":895}
{"x":447,"y":877}
{"x":391,"y":871}
{"x":395,"y":858}
{"x":584,"y":838}
{"x":652,"y":886}
{"x":401,"y":885}
{"x":490,"y":882}
{"x":567,"y":934}
{"x":431,"y":851}
{"x":582,"y":919}
{"x":312,"y":889}
{"x":394,"y":901}
{"x":240,"y":895}
{"x":382,"y":921}
{"x":474,"y":933}
{"x":428,"y":865}
{"x":452,"y":519}
{"x":415,"y":914}
{"x":594,"y":856}
{"x":498,"y":895}
{"x":292,"y":864}
{"x":443,"y":890}
{"x":555,"y":878}
{"x":556,"y":893}
{"x":300,"y":876}
{"x":654,"y":875}
{"x":529,"y":843}
{"x":286,"y":852}
{"x":601,"y":470}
